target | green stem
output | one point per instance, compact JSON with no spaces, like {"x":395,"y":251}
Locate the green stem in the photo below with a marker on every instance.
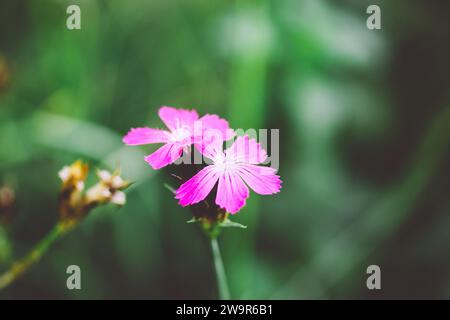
{"x":5,"y":246}
{"x":224,"y":293}
{"x":21,"y":266}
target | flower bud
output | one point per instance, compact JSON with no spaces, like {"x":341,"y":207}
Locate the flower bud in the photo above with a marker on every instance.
{"x":75,"y":202}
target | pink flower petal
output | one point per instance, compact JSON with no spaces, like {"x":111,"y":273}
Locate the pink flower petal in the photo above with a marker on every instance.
{"x":213,"y":121}
{"x":246,"y":150}
{"x":231,"y":192}
{"x":137,"y":136}
{"x":212,"y":150}
{"x":211,"y":129}
{"x":177,"y":118}
{"x":262,"y":180}
{"x":198,"y":187}
{"x":165,"y":155}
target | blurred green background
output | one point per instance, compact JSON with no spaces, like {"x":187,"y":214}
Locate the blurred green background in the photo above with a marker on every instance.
{"x":364,"y":131}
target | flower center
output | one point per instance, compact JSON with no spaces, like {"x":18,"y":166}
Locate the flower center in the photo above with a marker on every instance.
{"x":224,"y":164}
{"x":181,"y":135}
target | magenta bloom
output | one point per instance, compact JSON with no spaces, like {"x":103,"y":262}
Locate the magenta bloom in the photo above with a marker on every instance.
{"x":185,"y":128}
{"x":234,"y":169}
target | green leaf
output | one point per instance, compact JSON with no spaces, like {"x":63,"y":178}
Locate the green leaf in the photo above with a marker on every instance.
{"x":169,"y":188}
{"x":227,"y":223}
{"x":193,"y":220}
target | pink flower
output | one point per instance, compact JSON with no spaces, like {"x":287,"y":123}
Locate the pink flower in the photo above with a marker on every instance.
{"x":238,"y":164}
{"x":185,"y":129}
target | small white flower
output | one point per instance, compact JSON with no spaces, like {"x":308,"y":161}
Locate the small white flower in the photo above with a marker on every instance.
{"x":64,"y":173}
{"x":79,"y":185}
{"x":104,"y":175}
{"x":118,"y":198}
{"x":117,"y":182}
